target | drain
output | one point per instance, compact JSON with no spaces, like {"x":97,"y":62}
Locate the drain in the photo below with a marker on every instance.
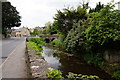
{"x":3,"y":57}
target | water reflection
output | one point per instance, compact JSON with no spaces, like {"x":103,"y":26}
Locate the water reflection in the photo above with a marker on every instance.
{"x":65,"y":63}
{"x":48,"y":56}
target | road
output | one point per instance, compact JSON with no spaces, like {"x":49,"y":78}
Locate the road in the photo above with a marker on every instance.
{"x":8,"y":45}
{"x":14,"y":58}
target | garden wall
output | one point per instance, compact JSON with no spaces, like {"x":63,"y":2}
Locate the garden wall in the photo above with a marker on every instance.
{"x":112,"y":56}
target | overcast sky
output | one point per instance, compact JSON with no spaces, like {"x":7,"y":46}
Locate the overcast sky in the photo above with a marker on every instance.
{"x":38,"y":12}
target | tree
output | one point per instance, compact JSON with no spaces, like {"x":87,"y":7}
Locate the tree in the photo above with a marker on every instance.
{"x":75,"y":39}
{"x":64,"y":19}
{"x":50,"y":28}
{"x":98,"y":7}
{"x":104,"y":29}
{"x":85,"y":5}
{"x":35,"y":32}
{"x":10,"y":17}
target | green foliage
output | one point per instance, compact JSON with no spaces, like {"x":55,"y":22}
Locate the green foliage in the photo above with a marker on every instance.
{"x":50,"y":28}
{"x":93,"y":33}
{"x":89,"y":34}
{"x":10,"y":17}
{"x":115,"y":69}
{"x":43,"y":32}
{"x":61,"y":37}
{"x":73,"y":76}
{"x":98,"y":7}
{"x":57,"y":42}
{"x":64,"y":19}
{"x":35,"y":32}
{"x":5,"y":32}
{"x":116,"y":75}
{"x":32,"y":45}
{"x":38,"y":41}
{"x":55,"y":74}
{"x":105,"y":26}
{"x":38,"y":53}
{"x":95,"y":59}
{"x":75,"y":40}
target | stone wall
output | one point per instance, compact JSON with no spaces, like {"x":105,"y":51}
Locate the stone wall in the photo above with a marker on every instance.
{"x":37,"y":65}
{"x":112,"y":56}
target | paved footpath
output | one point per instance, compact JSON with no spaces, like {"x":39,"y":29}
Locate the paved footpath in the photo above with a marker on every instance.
{"x":15,"y":65}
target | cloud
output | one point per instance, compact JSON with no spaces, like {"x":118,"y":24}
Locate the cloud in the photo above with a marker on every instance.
{"x":38,"y":12}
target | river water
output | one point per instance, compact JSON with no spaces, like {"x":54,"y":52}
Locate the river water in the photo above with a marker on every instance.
{"x":69,"y":63}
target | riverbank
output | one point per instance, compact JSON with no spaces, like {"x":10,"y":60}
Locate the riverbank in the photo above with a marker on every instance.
{"x":36,"y":64}
{"x":66,"y":63}
{"x":60,"y":60}
{"x":113,"y":69}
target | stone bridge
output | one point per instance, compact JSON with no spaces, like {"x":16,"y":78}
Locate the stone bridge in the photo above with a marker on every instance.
{"x":49,"y":38}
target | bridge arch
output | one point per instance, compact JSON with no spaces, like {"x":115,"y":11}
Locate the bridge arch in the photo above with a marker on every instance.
{"x":53,"y":39}
{"x":47,"y":40}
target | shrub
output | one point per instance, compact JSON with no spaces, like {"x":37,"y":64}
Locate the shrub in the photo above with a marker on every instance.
{"x":32,"y":46}
{"x":104,"y":29}
{"x":57,"y":42}
{"x":39,"y":41}
{"x":64,"y":19}
{"x":72,"y":76}
{"x":116,"y":75}
{"x":38,"y":53}
{"x":95,"y":59}
{"x":54,"y":74}
{"x":75,"y":40}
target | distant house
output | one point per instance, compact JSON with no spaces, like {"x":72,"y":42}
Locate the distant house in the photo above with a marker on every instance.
{"x":21,"y":32}
{"x":40,"y":28}
{"x":31,"y":29}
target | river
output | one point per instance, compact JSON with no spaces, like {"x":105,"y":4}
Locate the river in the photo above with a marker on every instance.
{"x":70,"y":63}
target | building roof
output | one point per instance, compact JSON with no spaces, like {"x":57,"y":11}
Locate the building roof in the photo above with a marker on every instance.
{"x":18,"y":30}
{"x":39,"y":28}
